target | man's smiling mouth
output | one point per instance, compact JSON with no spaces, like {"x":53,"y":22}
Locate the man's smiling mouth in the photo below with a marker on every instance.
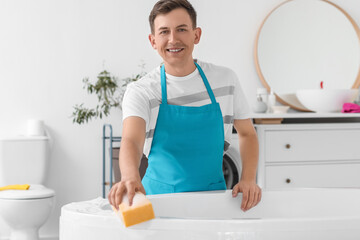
{"x":174,"y":50}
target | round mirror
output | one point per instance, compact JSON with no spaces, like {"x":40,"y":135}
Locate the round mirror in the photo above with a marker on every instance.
{"x":303,"y":44}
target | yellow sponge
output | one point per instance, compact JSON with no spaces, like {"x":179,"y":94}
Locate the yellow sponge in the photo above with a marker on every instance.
{"x":16,"y":187}
{"x":140,"y":211}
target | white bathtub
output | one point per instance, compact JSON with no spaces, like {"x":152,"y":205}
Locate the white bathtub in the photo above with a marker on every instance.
{"x":286,"y":214}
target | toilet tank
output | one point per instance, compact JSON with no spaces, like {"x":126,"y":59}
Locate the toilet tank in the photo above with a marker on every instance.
{"x":23,"y":160}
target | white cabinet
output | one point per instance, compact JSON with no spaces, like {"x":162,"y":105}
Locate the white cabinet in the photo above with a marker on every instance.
{"x":309,"y":155}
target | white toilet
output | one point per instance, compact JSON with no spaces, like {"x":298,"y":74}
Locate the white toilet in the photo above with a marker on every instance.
{"x":24,"y":160}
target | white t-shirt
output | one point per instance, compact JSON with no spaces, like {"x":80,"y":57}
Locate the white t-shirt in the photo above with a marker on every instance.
{"x":143,"y":97}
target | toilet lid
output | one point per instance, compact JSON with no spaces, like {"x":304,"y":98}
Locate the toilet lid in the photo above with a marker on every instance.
{"x":34,"y":192}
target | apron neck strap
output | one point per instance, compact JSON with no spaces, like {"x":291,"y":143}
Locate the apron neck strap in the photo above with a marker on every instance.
{"x":207,"y":85}
{"x":202,"y":74}
{"x":163,"y":85}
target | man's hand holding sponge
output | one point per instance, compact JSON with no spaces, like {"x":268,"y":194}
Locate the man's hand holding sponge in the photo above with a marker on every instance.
{"x":141,"y":210}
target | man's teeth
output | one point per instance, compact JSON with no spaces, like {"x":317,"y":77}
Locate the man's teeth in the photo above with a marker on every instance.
{"x":175,"y":50}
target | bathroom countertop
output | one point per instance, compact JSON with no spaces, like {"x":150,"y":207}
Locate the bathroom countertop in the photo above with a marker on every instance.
{"x":304,"y":115}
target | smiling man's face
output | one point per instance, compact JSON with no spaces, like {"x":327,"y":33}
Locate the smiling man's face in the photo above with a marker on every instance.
{"x":174,"y":37}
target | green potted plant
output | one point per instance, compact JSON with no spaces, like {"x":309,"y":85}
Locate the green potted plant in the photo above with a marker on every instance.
{"x":109,"y":91}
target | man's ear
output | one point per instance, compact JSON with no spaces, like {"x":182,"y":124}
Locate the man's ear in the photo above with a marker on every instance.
{"x":152,"y":41}
{"x":197,"y":35}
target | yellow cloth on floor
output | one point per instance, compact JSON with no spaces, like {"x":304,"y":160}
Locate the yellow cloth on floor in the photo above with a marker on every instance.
{"x":16,"y":187}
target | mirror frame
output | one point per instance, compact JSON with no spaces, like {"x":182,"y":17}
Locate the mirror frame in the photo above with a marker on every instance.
{"x":300,"y":107}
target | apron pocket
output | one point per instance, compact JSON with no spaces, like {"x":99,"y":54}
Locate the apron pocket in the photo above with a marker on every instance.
{"x":156,"y":187}
{"x":217,"y":186}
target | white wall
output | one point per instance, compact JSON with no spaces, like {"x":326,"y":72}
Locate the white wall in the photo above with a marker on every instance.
{"x":47,"y":47}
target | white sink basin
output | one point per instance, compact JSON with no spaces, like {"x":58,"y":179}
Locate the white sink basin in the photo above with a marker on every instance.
{"x":326,"y":100}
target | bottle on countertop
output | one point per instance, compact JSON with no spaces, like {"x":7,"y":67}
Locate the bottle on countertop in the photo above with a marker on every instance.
{"x":260,"y":105}
{"x":271,"y":101}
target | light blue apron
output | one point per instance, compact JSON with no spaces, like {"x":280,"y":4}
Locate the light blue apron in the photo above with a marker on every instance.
{"x":187,"y":149}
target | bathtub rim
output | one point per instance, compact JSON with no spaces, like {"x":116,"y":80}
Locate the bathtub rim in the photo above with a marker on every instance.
{"x":223,"y":225}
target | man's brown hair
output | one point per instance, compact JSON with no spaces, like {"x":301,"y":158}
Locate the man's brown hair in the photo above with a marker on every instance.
{"x":166,"y":6}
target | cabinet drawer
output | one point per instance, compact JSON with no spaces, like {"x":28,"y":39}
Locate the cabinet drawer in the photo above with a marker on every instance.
{"x":325,"y":175}
{"x":312,"y":145}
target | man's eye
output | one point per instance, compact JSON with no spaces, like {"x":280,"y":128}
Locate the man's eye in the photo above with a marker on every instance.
{"x":182,"y":29}
{"x":163,"y":32}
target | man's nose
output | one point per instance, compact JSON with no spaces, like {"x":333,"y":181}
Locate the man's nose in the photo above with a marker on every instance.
{"x":173,"y":37}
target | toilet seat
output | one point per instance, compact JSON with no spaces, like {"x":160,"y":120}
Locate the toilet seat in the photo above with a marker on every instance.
{"x":34,"y":192}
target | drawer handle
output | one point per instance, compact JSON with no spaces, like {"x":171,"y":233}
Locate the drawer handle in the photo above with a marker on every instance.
{"x":288,"y":146}
{"x":288,"y":180}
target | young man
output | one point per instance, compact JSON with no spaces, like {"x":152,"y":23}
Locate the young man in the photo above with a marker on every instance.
{"x":180,"y":115}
